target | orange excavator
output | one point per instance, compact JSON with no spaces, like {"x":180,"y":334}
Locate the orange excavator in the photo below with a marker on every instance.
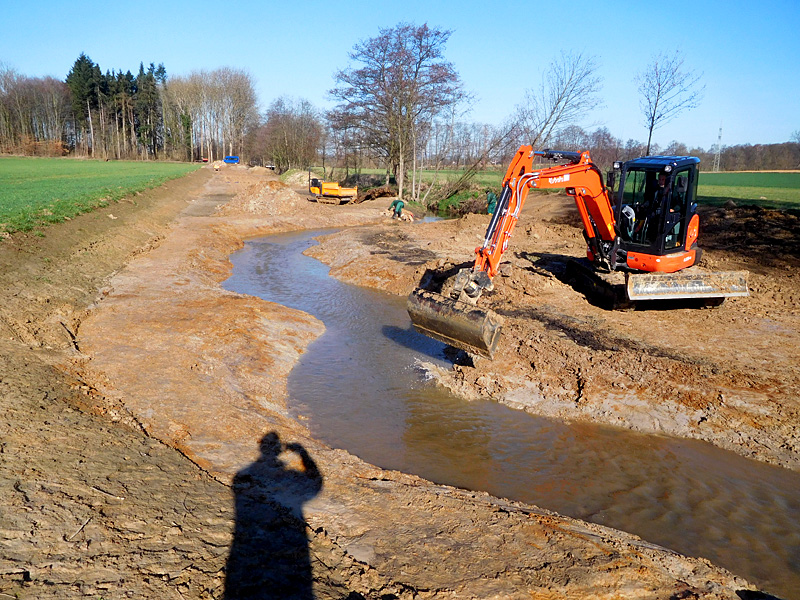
{"x":648,"y":234}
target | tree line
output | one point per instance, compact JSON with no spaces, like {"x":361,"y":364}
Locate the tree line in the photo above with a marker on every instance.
{"x":399,"y":105}
{"x":119,"y":115}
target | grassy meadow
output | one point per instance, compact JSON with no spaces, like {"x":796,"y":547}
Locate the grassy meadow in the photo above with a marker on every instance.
{"x":767,"y":189}
{"x":779,"y":190}
{"x":37,"y":191}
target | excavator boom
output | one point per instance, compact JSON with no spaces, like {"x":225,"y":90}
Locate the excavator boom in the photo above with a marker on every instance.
{"x":455,"y":319}
{"x":579,"y":176}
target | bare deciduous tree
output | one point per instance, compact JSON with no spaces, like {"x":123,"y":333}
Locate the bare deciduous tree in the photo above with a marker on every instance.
{"x":291,"y":136}
{"x":182,"y":108}
{"x":33,"y":113}
{"x":569,"y":90}
{"x":213,"y":109}
{"x":238,"y":105}
{"x":667,"y":89}
{"x":401,"y":84}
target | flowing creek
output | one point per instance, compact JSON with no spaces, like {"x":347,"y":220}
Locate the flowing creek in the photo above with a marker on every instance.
{"x":358,"y":388}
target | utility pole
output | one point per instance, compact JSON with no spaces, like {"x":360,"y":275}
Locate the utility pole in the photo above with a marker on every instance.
{"x":719,"y":150}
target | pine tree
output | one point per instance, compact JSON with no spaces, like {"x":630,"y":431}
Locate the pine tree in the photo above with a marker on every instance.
{"x":82,"y":83}
{"x":148,"y":108}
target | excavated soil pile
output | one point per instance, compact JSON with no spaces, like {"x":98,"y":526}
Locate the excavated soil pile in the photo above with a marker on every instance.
{"x":147,"y":450}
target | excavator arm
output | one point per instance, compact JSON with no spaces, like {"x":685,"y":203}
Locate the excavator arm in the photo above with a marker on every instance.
{"x":457,"y":320}
{"x":582,"y":180}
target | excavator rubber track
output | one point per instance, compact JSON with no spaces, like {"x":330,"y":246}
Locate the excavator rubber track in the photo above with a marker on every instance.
{"x":458,"y":324}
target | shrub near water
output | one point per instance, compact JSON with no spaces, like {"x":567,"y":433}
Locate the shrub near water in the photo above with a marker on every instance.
{"x":38,"y":191}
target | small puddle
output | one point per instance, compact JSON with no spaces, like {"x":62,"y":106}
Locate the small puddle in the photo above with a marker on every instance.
{"x":359,"y":389}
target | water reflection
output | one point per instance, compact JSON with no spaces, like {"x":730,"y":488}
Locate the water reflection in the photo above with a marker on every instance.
{"x":359,"y":387}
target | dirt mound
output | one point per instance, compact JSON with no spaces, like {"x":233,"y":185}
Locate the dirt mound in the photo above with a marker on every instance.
{"x":768,"y":236}
{"x":268,"y":197}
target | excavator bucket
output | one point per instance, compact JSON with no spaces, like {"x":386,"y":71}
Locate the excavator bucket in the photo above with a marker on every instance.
{"x":687,"y":284}
{"x":455,"y":323}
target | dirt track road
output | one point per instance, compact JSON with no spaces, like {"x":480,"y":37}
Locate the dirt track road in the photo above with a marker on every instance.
{"x":146,"y":447}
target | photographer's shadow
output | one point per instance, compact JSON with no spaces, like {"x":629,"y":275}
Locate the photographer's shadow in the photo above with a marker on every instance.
{"x":269,"y":556}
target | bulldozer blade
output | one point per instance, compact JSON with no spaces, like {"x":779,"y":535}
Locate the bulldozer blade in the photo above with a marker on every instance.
{"x":455,"y":323}
{"x":673,"y":286}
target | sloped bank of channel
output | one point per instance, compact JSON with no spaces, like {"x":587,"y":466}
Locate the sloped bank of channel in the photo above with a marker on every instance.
{"x":204,"y":370}
{"x":359,"y":389}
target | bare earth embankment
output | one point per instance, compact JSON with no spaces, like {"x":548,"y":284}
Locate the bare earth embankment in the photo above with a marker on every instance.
{"x":146,"y":446}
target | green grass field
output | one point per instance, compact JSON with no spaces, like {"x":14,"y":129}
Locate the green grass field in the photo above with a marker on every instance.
{"x":770,"y":190}
{"x":37,"y":191}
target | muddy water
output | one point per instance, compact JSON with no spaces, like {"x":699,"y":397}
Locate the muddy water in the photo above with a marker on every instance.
{"x":359,"y":389}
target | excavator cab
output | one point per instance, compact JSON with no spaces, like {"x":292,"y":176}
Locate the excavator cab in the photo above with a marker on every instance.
{"x":654,"y":208}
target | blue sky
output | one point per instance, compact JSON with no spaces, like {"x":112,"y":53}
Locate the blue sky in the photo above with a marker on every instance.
{"x":747,"y":52}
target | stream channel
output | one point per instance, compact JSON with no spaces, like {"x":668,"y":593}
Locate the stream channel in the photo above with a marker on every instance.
{"x":358,"y":387}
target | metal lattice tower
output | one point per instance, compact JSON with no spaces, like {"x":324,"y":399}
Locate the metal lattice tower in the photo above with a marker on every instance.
{"x":719,"y":150}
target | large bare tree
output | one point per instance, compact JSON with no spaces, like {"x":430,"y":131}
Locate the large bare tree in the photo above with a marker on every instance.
{"x":569,"y":90}
{"x":667,"y":89}
{"x":400,"y":83}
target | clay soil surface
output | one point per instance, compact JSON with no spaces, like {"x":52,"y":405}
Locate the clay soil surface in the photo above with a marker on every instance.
{"x":146,"y":449}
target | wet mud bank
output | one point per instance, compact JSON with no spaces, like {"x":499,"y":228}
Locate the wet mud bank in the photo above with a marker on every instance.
{"x":170,"y":375}
{"x":681,"y":493}
{"x":725,"y":375}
